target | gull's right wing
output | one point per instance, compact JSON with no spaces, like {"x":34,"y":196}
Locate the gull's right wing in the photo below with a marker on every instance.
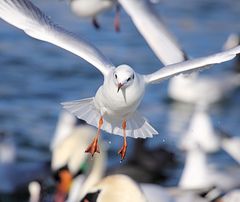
{"x":26,"y":16}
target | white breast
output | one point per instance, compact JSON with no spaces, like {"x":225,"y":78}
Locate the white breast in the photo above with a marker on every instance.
{"x":122,"y":103}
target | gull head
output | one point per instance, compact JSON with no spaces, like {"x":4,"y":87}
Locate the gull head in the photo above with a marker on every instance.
{"x":123,"y":76}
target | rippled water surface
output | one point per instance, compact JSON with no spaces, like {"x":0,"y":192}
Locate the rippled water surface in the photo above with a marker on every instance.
{"x":35,"y":76}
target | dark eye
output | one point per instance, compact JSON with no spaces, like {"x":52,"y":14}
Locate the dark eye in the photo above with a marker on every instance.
{"x":128,"y":79}
{"x":115,"y":76}
{"x":133,"y":76}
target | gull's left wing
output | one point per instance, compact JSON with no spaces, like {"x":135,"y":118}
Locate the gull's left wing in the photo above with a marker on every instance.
{"x":26,"y":16}
{"x":191,"y":65}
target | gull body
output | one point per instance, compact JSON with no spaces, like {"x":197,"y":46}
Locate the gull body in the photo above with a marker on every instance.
{"x":90,"y":8}
{"x":108,"y":100}
{"x":26,"y":16}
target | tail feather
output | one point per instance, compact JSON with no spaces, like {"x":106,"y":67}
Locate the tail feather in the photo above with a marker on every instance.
{"x":137,"y":126}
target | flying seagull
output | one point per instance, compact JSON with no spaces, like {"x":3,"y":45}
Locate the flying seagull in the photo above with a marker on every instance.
{"x":91,"y":8}
{"x":114,"y":107}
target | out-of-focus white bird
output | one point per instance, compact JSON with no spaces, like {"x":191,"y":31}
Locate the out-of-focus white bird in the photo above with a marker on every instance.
{"x":197,"y":174}
{"x":201,"y":131}
{"x":92,"y":8}
{"x":114,"y":107}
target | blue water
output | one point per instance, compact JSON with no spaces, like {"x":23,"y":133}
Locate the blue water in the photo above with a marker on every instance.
{"x":36,"y":77}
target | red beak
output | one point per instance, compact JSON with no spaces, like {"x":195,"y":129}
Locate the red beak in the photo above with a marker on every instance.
{"x":119,"y":86}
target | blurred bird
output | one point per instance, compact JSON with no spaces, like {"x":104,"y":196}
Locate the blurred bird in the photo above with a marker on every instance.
{"x":92,"y":8}
{"x":197,"y":174}
{"x":201,"y":131}
{"x":114,"y":106}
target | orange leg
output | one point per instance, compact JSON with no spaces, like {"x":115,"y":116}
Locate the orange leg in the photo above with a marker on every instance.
{"x":123,"y":149}
{"x":94,"y":147}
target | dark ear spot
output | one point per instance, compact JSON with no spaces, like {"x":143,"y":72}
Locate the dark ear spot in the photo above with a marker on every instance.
{"x":91,"y":197}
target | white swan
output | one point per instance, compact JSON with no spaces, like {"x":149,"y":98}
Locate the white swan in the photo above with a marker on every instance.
{"x":69,"y":160}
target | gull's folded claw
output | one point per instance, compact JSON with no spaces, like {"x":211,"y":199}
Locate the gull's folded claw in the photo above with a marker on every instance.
{"x":93,"y":147}
{"x":122,"y":151}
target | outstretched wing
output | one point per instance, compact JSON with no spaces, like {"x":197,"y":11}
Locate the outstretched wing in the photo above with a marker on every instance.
{"x":26,"y":16}
{"x":153,"y":30}
{"x":191,"y":65}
